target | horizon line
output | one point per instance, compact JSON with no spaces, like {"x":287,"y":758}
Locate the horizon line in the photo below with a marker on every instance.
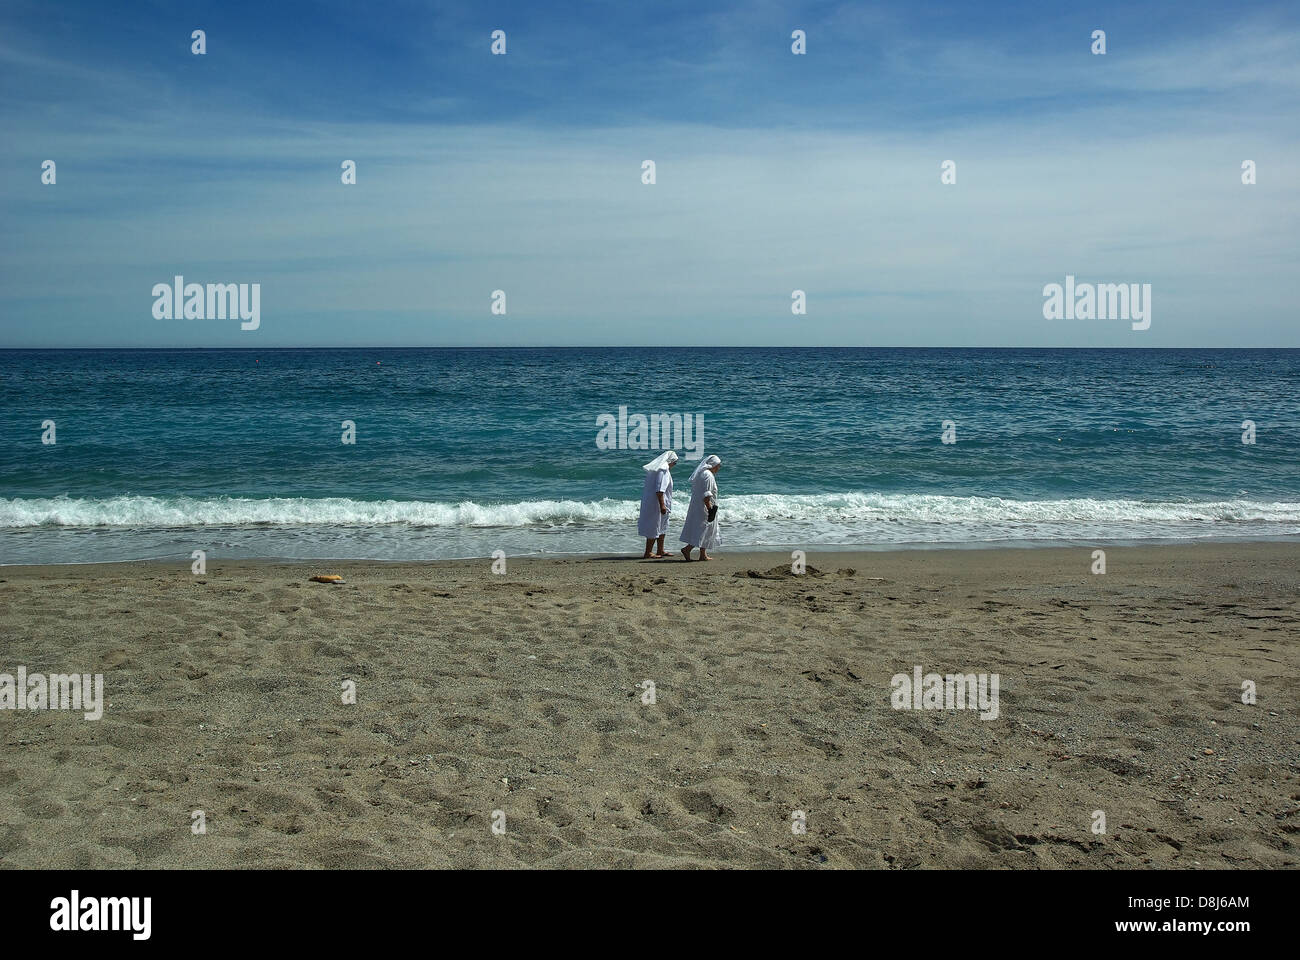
{"x":579,"y":346}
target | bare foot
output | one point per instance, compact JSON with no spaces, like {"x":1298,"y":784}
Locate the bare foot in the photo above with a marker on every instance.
{"x":660,"y":556}
{"x":647,"y":555}
{"x":686,"y":553}
{"x":704,"y":556}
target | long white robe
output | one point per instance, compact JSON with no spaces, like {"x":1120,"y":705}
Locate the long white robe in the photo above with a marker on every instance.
{"x":697,"y":531}
{"x":652,"y":524}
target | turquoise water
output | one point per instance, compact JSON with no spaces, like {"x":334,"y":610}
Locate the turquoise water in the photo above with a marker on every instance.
{"x":463,"y":452}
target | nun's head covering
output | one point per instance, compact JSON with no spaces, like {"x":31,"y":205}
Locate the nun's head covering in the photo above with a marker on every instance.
{"x":705,"y":464}
{"x":661,"y":462}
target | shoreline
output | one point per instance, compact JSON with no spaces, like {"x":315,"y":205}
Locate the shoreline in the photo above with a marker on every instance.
{"x":957,"y":564}
{"x":749,"y":551}
{"x":522,"y":693}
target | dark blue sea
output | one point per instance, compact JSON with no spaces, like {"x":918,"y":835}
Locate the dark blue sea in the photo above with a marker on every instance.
{"x":462,"y":452}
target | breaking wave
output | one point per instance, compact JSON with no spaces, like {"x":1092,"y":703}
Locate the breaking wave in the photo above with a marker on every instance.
{"x":832,"y":510}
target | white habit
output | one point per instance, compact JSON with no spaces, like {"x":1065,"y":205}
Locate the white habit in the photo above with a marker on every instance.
{"x":658,"y":479}
{"x":697,"y":531}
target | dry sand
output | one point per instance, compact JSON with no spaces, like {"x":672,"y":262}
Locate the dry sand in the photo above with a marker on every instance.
{"x":519,"y":692}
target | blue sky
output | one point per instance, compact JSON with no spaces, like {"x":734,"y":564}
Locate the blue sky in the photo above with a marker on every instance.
{"x":775,"y":172}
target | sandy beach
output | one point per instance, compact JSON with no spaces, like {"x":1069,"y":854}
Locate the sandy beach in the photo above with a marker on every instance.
{"x":523,"y":693}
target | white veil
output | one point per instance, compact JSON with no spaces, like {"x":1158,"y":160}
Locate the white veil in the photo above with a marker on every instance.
{"x":709,"y":461}
{"x":661,"y":462}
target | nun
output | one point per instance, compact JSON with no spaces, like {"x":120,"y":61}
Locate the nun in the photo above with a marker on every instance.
{"x":656,"y":503}
{"x":701,"y":526}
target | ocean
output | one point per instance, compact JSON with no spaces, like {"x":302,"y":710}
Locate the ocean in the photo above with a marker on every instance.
{"x":464,"y":452}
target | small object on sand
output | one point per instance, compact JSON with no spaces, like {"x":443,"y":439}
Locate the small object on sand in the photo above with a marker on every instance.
{"x":327,"y":578}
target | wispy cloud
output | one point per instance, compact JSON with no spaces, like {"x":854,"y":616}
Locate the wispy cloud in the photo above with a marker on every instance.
{"x":1122,"y":169}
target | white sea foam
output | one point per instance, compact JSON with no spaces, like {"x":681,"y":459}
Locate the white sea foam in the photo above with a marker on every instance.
{"x":819,"y":511}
